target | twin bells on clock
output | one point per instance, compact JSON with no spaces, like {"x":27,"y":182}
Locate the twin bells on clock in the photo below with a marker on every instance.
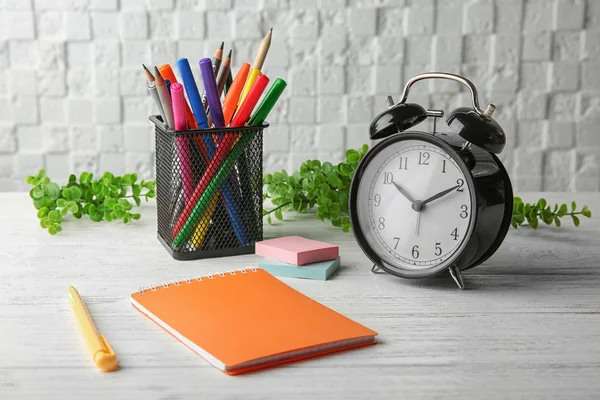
{"x":471,"y":123}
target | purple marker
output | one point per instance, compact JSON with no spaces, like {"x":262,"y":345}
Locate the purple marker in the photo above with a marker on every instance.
{"x":212,"y":93}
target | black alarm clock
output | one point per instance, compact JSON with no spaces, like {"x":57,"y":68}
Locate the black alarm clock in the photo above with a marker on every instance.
{"x":426,"y":202}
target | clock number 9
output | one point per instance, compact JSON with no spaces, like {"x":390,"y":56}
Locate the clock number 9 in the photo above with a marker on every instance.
{"x":415,"y":251}
{"x":377,"y":200}
{"x":381,"y":225}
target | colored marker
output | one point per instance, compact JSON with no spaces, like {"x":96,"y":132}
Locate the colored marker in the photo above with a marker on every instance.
{"x":212,"y":93}
{"x":192,"y":91}
{"x":233,"y":95}
{"x":167,"y":73}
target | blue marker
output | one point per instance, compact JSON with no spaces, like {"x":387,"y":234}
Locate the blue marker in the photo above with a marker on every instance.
{"x":192,"y":91}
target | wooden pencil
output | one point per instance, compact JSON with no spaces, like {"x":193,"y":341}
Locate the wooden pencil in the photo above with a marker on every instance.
{"x":148,"y":74}
{"x":224,"y":73}
{"x":218,"y":58}
{"x":262,"y":51}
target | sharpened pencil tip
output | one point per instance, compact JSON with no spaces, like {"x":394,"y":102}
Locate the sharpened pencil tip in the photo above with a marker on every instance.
{"x":229,"y":54}
{"x":271,"y":30}
{"x":157,"y":72}
{"x":222,"y":45}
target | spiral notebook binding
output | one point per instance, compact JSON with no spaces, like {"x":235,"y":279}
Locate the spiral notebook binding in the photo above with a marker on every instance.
{"x":165,"y":284}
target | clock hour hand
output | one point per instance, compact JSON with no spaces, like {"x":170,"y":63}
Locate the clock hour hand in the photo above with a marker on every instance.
{"x":404,"y":193}
{"x":440,"y":194}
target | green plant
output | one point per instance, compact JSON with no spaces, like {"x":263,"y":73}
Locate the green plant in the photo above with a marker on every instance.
{"x":315,"y":183}
{"x":327,"y":186}
{"x":106,"y":198}
{"x":540,"y":210}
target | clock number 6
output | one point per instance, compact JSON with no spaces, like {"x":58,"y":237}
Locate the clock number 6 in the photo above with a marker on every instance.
{"x":415,"y":251}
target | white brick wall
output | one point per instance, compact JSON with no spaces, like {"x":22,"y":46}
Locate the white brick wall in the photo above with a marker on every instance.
{"x":72,"y":95}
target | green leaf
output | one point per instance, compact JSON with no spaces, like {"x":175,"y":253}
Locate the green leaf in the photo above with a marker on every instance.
{"x":57,"y":227}
{"x":28,"y":179}
{"x":575,"y":220}
{"x":73,"y":207}
{"x":586,"y":212}
{"x":54,"y":216}
{"x":541,"y":203}
{"x":514,"y":224}
{"x":108,"y":216}
{"x":562,"y":210}
{"x":42,"y":212}
{"x":136,"y":190}
{"x":61,"y":203}
{"x":45,"y":223}
{"x":557,"y":221}
{"x":64,"y":211}
{"x":36,"y":193}
{"x":573,"y":206}
{"x":137,"y":200}
{"x":533,"y":222}
{"x":278,"y":214}
{"x":269,"y":221}
{"x":135,"y":216}
{"x":52,"y":230}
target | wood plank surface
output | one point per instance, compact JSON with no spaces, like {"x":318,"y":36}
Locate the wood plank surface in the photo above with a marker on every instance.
{"x":527,"y":327}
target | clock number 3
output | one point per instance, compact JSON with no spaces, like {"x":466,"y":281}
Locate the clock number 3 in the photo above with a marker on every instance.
{"x":464,"y":213}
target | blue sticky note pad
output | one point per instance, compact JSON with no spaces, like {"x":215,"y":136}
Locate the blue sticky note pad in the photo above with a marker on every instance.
{"x":318,"y":271}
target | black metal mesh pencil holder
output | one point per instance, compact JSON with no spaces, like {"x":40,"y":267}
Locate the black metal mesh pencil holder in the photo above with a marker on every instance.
{"x":209,"y":203}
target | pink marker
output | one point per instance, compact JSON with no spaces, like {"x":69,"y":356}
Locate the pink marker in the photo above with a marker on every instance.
{"x":178,"y":101}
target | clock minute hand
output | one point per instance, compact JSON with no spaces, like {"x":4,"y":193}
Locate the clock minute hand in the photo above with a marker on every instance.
{"x":440,"y":194}
{"x":404,"y":193}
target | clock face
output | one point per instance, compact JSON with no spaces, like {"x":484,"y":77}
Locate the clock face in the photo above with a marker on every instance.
{"x":414,"y":206}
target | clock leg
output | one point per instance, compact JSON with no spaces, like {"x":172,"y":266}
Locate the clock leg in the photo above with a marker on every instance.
{"x":376,"y":270}
{"x":457,"y":276}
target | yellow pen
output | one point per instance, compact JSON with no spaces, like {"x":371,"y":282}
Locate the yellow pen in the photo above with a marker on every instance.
{"x":104,"y":356}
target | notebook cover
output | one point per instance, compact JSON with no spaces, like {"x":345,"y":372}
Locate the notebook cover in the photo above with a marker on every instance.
{"x":318,"y":271}
{"x":296,"y":250}
{"x":240,"y":317}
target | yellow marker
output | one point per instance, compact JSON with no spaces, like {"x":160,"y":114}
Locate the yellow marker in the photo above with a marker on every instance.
{"x":254,"y":72}
{"x":204,"y":224}
{"x":104,"y":356}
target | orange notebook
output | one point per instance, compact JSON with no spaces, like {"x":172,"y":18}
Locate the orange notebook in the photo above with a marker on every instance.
{"x":247,"y":319}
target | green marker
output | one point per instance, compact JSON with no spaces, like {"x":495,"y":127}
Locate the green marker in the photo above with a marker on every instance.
{"x":257,"y":119}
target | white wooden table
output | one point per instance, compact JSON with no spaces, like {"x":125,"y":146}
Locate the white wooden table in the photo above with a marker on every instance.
{"x":528,"y":327}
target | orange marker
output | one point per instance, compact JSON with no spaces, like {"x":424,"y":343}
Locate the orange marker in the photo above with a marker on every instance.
{"x":233,"y":94}
{"x":167,"y":73}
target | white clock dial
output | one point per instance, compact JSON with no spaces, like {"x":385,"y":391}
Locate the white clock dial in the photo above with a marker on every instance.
{"x":415,"y":205}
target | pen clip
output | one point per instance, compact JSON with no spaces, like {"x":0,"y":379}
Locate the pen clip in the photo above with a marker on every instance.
{"x":106,"y":359}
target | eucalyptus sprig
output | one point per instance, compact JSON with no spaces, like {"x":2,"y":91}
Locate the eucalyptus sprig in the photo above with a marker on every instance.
{"x":106,"y":198}
{"x":315,"y":183}
{"x":540,"y":210}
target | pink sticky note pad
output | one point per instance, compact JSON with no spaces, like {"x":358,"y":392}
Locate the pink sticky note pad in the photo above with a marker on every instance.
{"x":297,"y":250}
